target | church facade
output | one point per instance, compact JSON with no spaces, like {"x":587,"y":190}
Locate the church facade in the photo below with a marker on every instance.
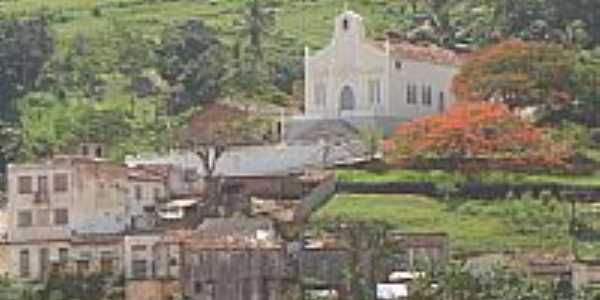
{"x":354,"y":78}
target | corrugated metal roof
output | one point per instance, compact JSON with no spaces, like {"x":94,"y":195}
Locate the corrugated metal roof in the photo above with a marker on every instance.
{"x":257,"y":160}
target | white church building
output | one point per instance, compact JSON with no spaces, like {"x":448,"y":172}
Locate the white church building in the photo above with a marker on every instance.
{"x":354,"y":78}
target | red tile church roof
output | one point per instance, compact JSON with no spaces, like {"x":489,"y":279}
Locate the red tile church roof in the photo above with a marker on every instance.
{"x":423,"y":52}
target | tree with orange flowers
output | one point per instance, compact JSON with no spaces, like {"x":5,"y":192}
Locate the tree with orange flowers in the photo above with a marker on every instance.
{"x":518,"y":74}
{"x":472,"y":131}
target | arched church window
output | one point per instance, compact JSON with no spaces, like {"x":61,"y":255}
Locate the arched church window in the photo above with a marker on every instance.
{"x":346,"y":24}
{"x":347,"y":100}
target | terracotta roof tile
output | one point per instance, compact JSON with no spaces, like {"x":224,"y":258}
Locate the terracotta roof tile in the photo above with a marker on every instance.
{"x":426,"y":53}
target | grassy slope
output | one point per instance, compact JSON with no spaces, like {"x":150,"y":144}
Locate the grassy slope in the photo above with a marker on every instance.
{"x":310,"y":21}
{"x":473,"y":226}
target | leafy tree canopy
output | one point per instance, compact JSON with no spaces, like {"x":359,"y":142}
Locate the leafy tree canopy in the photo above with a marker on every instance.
{"x":191,"y":59}
{"x":26,"y":44}
{"x":476,"y":131}
{"x":519,"y":74}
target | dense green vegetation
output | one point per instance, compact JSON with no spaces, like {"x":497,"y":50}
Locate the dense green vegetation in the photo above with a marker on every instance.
{"x":127,"y":53}
{"x":473,"y":226}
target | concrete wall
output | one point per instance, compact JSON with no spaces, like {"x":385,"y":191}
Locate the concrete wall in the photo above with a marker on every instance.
{"x":236,"y":274}
{"x":152,"y":290}
{"x":420,"y":74}
{"x":316,"y":198}
{"x":101,"y":201}
{"x":6,"y":262}
{"x":585,"y":274}
{"x":93,"y":252}
{"x":277,"y":187}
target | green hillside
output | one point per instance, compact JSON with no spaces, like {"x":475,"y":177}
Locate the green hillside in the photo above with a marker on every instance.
{"x":101,"y":49}
{"x":305,"y":20}
{"x":473,"y":226}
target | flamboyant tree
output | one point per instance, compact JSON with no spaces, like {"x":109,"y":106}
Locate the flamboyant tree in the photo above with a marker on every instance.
{"x":476,"y":130}
{"x":519,"y":74}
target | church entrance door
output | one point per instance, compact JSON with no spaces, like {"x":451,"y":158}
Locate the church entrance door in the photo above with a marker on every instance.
{"x":347,"y":100}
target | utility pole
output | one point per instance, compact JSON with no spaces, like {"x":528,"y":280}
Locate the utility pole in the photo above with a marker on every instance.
{"x":573,"y":226}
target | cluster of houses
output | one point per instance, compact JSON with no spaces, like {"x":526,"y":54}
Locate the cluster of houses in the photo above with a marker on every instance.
{"x":83,"y":214}
{"x":149,"y":219}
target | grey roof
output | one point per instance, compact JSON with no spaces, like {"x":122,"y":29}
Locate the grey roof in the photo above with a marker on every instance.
{"x":314,"y":129}
{"x":309,"y":143}
{"x":235,"y":226}
{"x":260,"y":160}
{"x":300,"y":127}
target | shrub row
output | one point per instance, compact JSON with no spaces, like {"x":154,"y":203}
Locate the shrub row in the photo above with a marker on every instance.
{"x":474,"y":190}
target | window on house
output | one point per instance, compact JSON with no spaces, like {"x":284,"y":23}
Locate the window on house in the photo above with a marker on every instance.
{"x":442,"y":102}
{"x":411,"y":94}
{"x":139,"y":268}
{"x":99,"y":152}
{"x":374,"y":91}
{"x":61,"y":182}
{"x":426,"y":95}
{"x":24,"y":263}
{"x":43,"y":217}
{"x":173,"y":261}
{"x":137,"y":191}
{"x":24,"y":218}
{"x":106,"y":262}
{"x":25,"y":184}
{"x":82,"y":266}
{"x":320,"y":94}
{"x":198,"y":287}
{"x":63,"y":255}
{"x":138,"y":248}
{"x":346,"y":24}
{"x":61,"y":216}
{"x":398,"y":65}
{"x":42,"y":184}
{"x":157,"y":194}
{"x":85,"y":150}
